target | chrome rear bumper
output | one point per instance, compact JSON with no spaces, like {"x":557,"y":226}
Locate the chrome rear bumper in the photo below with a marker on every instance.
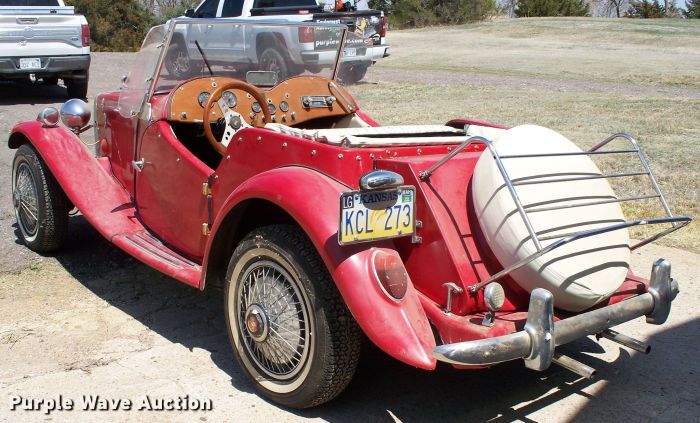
{"x":536,"y":343}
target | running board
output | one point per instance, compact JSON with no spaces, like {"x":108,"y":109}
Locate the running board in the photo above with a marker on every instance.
{"x":151,"y":251}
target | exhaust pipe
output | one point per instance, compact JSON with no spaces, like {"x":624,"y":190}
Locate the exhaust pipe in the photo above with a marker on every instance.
{"x":575,"y":366}
{"x":625,"y":340}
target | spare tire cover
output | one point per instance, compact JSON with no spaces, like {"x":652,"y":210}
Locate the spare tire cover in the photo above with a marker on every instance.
{"x":579,"y":274}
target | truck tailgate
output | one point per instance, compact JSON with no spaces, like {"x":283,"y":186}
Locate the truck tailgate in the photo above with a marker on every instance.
{"x":41,"y":35}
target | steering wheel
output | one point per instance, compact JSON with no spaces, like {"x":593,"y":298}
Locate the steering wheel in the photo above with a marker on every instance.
{"x":234,"y":120}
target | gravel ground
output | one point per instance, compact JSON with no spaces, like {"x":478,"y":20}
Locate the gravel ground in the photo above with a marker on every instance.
{"x":92,"y":321}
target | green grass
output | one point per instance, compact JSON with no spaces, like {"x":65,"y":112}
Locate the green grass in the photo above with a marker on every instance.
{"x":585,"y":78}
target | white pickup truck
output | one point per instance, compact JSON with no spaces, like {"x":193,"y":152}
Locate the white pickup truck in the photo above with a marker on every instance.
{"x":365,"y":44}
{"x":44,"y":39}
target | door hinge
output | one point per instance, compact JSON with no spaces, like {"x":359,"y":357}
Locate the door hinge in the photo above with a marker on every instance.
{"x":138,"y":165}
{"x":206,"y":189}
{"x":206,"y":192}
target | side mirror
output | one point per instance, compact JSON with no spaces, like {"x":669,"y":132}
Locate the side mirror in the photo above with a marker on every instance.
{"x":189,"y":13}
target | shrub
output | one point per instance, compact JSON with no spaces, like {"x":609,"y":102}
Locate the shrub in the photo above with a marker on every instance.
{"x":645,"y":9}
{"x":692,"y":9}
{"x":536,"y":8}
{"x":420,"y":13}
{"x":115,"y":25}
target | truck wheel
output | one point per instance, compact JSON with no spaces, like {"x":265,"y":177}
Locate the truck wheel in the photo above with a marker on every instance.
{"x":77,"y":88}
{"x":178,"y":62}
{"x":272,"y":60}
{"x":352,"y":74}
{"x":41,"y":206}
{"x":289,"y":328}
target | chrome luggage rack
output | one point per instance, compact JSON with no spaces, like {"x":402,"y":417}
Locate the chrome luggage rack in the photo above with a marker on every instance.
{"x":676,"y":222}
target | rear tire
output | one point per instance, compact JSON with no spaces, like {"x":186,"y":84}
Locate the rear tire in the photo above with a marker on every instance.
{"x":352,"y":74}
{"x":273,"y":60}
{"x":291,"y":332}
{"x":41,"y":206}
{"x":77,"y":88}
{"x":178,"y":62}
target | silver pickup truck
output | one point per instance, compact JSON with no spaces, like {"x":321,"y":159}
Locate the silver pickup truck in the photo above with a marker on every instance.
{"x":44,"y":40}
{"x":365,"y":43}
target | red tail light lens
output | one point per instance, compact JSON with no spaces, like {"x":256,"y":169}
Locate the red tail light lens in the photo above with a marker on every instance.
{"x":391,"y":274}
{"x":385,"y":27}
{"x":306,"y":34}
{"x":86,"y":35}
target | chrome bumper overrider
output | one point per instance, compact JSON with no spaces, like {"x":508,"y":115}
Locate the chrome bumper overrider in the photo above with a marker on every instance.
{"x":536,"y":343}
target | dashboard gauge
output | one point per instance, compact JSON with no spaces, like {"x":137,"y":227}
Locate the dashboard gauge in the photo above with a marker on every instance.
{"x":284,"y":106}
{"x":272,"y":108}
{"x":256,"y":107}
{"x":202,"y":98}
{"x":230,"y":99}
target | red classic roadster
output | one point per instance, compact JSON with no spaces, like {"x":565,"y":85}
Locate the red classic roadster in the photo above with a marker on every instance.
{"x":468,"y":243}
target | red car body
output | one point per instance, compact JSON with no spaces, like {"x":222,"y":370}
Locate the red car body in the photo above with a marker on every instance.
{"x":184,"y":218}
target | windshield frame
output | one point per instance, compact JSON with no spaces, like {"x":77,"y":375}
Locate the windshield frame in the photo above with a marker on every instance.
{"x":171,"y":24}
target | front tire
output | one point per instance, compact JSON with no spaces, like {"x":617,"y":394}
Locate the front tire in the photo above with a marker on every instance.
{"x":41,"y":206}
{"x":289,"y":328}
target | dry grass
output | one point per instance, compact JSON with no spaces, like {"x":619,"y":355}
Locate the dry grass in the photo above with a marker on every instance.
{"x":586,"y":78}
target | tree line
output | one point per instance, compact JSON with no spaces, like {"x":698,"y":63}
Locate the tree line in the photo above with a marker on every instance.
{"x":121,"y":25}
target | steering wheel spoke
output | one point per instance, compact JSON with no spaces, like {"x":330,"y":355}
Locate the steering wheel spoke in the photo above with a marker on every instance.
{"x":234,"y":120}
{"x":234,"y":123}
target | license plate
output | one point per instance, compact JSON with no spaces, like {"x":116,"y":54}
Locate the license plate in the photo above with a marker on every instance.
{"x":350,"y":52}
{"x":373,"y":215}
{"x":25,"y":63}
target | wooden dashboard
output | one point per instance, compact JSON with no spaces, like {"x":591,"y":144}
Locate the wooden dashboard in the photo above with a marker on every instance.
{"x":291,"y":102}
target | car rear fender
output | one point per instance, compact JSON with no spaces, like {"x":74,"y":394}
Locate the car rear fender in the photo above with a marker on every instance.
{"x":312,"y":200}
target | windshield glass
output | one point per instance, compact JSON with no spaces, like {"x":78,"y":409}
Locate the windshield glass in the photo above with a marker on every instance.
{"x":259,"y":52}
{"x":138,"y":81}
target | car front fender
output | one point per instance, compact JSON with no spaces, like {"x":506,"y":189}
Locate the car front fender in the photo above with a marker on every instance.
{"x":312,"y":200}
{"x":84,"y":178}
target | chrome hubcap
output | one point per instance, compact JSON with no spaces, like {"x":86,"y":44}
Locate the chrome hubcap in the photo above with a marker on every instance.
{"x":25,"y":201}
{"x":273,"y":320}
{"x":256,"y":323}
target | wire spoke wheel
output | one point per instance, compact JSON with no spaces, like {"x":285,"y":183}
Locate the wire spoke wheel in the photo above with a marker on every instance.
{"x":41,"y":206}
{"x":25,"y":200}
{"x":291,"y":332}
{"x":273,"y":320}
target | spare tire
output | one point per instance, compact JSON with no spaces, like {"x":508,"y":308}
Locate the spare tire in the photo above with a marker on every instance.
{"x":580,"y":274}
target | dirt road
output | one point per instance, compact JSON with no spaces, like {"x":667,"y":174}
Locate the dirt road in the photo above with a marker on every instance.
{"x":92,"y":321}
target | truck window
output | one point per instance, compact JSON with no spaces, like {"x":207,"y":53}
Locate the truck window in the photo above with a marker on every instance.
{"x":232,"y":8}
{"x":207,"y":9}
{"x":284,"y":3}
{"x":50,"y":3}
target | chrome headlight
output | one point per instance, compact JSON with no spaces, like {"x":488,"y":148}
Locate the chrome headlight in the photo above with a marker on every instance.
{"x":48,"y":117}
{"x":75,"y":114}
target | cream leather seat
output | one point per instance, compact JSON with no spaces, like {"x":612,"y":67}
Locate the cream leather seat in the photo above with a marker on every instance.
{"x":579,"y":274}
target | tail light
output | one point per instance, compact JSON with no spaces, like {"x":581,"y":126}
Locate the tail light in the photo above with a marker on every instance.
{"x":390,"y":274}
{"x":385,"y":27}
{"x":86,"y":35}
{"x":339,"y":5}
{"x":306,"y":34}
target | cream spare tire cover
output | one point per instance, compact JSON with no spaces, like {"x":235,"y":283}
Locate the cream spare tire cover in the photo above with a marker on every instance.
{"x":579,"y":274}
